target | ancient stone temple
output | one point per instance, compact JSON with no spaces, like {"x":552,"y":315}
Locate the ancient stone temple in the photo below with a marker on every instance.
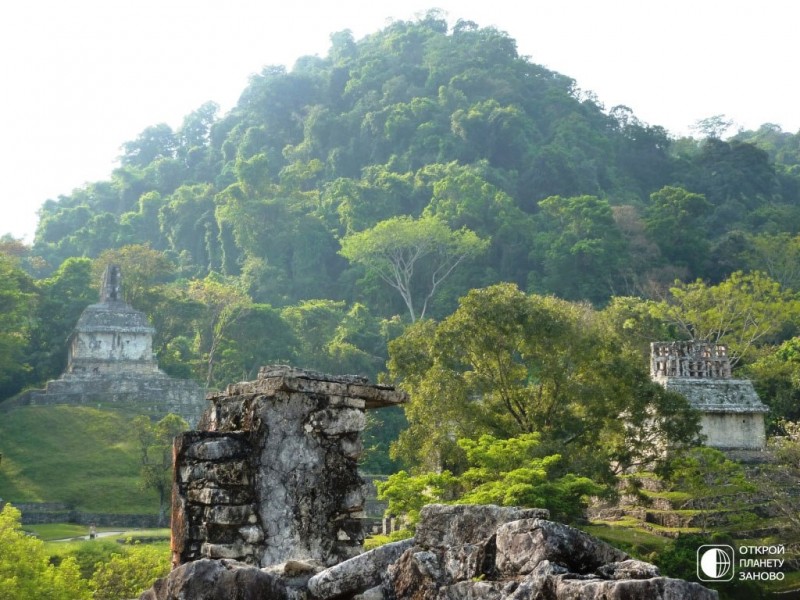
{"x":732,"y":415}
{"x":110,"y":363}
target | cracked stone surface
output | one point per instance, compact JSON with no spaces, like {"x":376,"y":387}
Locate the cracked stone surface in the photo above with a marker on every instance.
{"x":271,"y":474}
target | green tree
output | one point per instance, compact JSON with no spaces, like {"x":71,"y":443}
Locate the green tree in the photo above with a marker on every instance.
{"x":580,"y":248}
{"x":713,"y":127}
{"x":741,"y":312}
{"x":17,"y":301}
{"x":224,"y":302}
{"x":507,"y":364}
{"x":673,"y":222}
{"x":188,"y":224}
{"x":62,"y":298}
{"x":778,"y":256}
{"x":401,"y":248}
{"x":128,"y":574}
{"x":710,"y":479}
{"x":260,"y":336}
{"x":511,"y":472}
{"x":155,"y":452}
{"x":776,"y":376}
{"x":157,"y":141}
{"x":25,"y":569}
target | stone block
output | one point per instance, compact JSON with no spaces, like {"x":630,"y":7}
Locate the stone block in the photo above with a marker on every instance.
{"x":231,"y":551}
{"x":356,"y":574}
{"x":523,"y":544}
{"x":444,"y":525}
{"x":334,"y":422}
{"x":233,"y":473}
{"x":217,"y":448}
{"x":231,"y":515}
{"x":215,"y":495}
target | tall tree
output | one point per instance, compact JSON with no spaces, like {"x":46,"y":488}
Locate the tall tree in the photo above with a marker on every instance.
{"x":402,"y":251}
{"x":673,"y":222}
{"x":506,"y":364}
{"x":580,"y":248}
{"x":17,"y":301}
{"x":742,"y":312}
{"x":224,"y":303}
{"x":63,"y":296}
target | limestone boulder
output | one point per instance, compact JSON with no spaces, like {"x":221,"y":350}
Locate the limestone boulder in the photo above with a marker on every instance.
{"x":357,"y":574}
{"x":523,"y":544}
{"x":494,"y":553}
{"x":207,"y":579}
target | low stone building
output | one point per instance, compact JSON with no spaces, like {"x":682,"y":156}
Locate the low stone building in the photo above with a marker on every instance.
{"x":732,"y":415}
{"x":110,"y":364}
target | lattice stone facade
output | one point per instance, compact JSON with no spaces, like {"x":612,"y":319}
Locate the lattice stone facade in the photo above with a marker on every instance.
{"x":732,"y":415}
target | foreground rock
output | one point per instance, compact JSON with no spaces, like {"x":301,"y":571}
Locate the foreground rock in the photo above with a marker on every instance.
{"x":521,"y":559}
{"x":207,"y":579}
{"x":459,"y":553}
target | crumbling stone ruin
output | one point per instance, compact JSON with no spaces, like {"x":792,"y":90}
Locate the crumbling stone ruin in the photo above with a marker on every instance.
{"x":110,"y":363}
{"x":272,"y":474}
{"x":267,"y":501}
{"x":732,"y":415}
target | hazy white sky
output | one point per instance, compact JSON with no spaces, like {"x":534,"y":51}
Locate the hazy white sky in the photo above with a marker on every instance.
{"x":81,"y":77}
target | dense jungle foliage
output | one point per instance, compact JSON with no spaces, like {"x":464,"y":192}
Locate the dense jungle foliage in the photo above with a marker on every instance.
{"x":369,"y":190}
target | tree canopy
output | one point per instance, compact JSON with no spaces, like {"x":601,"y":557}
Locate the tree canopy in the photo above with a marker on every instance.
{"x":401,"y":248}
{"x":506,"y":364}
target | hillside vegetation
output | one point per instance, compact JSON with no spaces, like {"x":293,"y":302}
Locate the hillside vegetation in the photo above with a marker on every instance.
{"x":80,"y":456}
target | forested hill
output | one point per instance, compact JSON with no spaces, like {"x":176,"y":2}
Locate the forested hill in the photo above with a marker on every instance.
{"x":282,"y":204}
{"x":421,"y":119}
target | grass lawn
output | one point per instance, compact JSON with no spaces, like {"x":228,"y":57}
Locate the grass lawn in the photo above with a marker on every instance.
{"x":81,"y":456}
{"x":638,"y":542}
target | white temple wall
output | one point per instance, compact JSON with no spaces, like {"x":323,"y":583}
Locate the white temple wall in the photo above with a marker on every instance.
{"x":734,"y":430}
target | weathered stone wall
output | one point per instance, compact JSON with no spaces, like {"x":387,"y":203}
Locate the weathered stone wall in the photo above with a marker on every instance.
{"x":155,"y":396}
{"x":689,"y":359}
{"x":272,"y":474}
{"x":734,"y":431}
{"x":732,"y":415}
{"x":36,"y":513}
{"x":105,"y":348}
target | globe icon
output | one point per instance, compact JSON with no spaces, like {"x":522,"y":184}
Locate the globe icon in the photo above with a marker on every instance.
{"x":716,"y":563}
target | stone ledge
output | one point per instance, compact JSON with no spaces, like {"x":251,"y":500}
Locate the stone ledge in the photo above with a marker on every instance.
{"x":340,"y":388}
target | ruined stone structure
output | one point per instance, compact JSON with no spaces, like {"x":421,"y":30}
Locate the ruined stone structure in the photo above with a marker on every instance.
{"x":732,"y":415}
{"x":271,"y":475}
{"x":267,"y":504}
{"x":110,"y":363}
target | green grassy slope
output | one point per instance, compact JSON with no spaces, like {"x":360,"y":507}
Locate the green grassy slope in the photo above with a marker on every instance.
{"x":81,"y":456}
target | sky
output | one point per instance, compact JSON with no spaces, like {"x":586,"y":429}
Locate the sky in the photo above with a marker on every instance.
{"x":81,"y":78}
